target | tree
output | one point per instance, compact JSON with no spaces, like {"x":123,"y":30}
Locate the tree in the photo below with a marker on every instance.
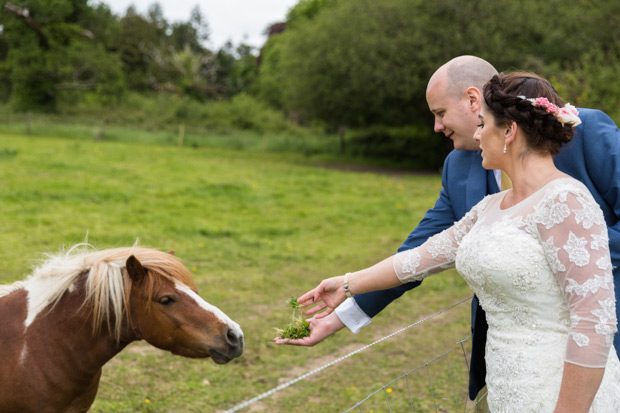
{"x":360,"y":62}
{"x":357,"y":63}
{"x":234,"y":69}
{"x":135,"y":45}
{"x":50,"y":50}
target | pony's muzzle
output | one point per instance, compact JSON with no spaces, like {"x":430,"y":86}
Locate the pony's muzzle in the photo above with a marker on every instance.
{"x":232,"y":346}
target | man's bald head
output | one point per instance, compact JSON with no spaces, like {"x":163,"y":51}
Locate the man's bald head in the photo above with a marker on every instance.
{"x":454,"y":96}
{"x":461,"y":73}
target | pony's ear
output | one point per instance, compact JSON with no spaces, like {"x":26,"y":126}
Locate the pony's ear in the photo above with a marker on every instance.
{"x":135,"y":270}
{"x":171,"y":252}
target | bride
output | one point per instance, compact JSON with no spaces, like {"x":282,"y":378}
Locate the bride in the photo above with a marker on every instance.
{"x":536,"y":255}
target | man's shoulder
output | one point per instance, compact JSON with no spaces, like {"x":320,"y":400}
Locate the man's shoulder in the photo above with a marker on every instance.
{"x":590,"y":111}
{"x":597,"y":125}
{"x":593,"y":118}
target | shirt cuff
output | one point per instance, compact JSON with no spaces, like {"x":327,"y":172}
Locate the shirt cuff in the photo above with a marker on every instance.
{"x":352,"y":315}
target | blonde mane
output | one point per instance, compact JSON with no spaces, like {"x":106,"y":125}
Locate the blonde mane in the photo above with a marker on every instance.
{"x":108,"y":285}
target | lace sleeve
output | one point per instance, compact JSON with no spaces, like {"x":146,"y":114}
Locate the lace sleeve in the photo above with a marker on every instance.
{"x":574,"y":236}
{"x":438,"y":252}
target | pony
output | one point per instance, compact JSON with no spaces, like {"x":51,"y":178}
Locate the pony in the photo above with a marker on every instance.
{"x":77,"y":310}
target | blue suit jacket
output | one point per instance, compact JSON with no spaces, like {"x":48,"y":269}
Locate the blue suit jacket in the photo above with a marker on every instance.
{"x":593,"y":157}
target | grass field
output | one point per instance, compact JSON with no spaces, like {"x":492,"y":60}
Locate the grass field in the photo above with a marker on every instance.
{"x":255,"y":228}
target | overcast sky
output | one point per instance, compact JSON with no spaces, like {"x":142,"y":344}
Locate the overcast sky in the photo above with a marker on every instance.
{"x":236,"y":20}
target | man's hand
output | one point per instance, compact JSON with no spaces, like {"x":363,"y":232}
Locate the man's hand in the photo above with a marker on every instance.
{"x":320,"y":329}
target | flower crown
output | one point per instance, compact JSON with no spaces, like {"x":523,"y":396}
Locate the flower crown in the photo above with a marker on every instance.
{"x":567,"y":115}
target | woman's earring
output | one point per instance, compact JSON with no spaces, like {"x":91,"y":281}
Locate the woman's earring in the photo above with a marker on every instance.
{"x":504,"y":147}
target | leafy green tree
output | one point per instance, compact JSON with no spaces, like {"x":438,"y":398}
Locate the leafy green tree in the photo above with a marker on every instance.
{"x":138,"y":39}
{"x":51,"y":50}
{"x":193,"y":34}
{"x":305,"y":9}
{"x":234,"y":69}
{"x":162,"y":57}
{"x":592,"y":81}
{"x":269,"y":84}
{"x":356,"y":63}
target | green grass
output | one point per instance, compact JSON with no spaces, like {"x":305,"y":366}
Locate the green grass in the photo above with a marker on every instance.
{"x":255,"y":228}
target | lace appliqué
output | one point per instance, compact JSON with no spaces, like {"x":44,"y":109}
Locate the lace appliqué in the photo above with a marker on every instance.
{"x":590,"y":286}
{"x":599,"y":241}
{"x":410,"y":261}
{"x":552,"y":253}
{"x":580,"y":339}
{"x":550,"y":213}
{"x":577,"y":253}
{"x":605,"y":313}
{"x":442,"y":245}
{"x":590,"y":214}
{"x":603,"y":263}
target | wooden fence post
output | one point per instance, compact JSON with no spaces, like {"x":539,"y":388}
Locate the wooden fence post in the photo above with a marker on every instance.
{"x":342,"y":131}
{"x":100,"y":133}
{"x":28,"y":123}
{"x":181,"y":134}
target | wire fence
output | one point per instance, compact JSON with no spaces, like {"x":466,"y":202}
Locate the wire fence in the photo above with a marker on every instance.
{"x":430,"y":387}
{"x":438,"y":385}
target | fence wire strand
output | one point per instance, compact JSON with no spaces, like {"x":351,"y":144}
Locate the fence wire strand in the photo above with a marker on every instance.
{"x":425,"y":366}
{"x":338,"y":360}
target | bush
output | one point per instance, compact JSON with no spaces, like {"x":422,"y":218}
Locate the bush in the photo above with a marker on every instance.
{"x":592,"y":81}
{"x":409,"y":146}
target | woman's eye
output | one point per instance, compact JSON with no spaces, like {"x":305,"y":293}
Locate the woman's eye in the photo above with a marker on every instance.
{"x":480,"y":125}
{"x":166,"y":300}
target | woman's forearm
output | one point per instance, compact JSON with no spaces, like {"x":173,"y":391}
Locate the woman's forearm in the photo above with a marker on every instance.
{"x":380,"y":276}
{"x":579,"y":386}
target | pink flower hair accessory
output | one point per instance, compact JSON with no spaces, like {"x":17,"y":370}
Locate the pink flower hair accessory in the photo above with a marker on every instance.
{"x":568,"y":115}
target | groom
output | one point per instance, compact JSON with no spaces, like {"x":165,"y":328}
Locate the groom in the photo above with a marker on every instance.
{"x":454,"y":97}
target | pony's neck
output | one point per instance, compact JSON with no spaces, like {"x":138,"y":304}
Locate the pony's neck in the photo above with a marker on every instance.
{"x":71,"y":350}
{"x":73,"y":323}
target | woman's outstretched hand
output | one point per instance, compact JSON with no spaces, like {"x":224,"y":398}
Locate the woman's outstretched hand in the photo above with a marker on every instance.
{"x":327,"y":296}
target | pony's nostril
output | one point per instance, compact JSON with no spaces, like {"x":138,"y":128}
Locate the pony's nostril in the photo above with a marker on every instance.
{"x":233,"y":338}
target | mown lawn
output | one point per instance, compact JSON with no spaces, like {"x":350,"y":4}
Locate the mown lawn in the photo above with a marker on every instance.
{"x":255,"y":228}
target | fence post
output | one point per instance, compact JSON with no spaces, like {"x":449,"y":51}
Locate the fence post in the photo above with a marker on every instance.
{"x":100,"y":133}
{"x":28,"y":123}
{"x":342,"y":130}
{"x":181,"y":134}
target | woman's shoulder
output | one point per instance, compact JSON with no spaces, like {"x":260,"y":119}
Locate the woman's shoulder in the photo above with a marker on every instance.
{"x":564,"y":198}
{"x":567,"y":194}
{"x":486,"y":202}
{"x":564,"y":186}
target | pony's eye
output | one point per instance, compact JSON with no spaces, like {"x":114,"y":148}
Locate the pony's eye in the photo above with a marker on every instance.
{"x":166,"y":300}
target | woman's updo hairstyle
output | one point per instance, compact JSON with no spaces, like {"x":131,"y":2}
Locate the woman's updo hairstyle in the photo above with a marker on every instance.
{"x":544,"y":132}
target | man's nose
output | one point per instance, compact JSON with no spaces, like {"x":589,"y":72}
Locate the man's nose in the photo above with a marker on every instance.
{"x":439,"y":127}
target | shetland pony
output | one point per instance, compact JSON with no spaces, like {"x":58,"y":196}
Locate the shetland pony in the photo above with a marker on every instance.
{"x":76,"y":311}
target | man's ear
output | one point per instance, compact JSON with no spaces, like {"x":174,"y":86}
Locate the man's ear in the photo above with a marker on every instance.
{"x":474,"y":96}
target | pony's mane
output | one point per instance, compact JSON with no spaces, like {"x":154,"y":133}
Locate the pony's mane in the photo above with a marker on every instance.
{"x":107,"y":285}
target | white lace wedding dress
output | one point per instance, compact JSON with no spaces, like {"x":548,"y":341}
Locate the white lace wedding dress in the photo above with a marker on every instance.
{"x":542,"y":272}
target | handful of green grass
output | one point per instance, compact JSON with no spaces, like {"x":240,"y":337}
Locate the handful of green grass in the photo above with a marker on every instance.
{"x":298,"y":327}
